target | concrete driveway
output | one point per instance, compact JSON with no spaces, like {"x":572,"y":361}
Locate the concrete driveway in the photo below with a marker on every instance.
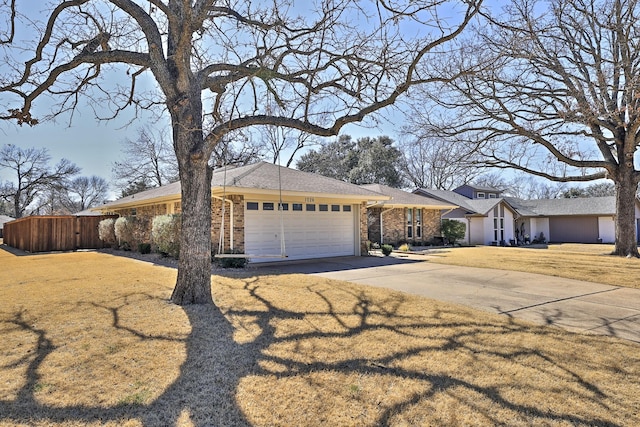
{"x":570,"y":304}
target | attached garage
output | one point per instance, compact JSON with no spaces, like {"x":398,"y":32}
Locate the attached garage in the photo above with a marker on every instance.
{"x":311,"y":230}
{"x":322,"y":217}
{"x":574,"y":229}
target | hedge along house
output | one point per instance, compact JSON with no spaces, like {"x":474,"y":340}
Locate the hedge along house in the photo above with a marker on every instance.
{"x":404,"y":217}
{"x":320,"y":216}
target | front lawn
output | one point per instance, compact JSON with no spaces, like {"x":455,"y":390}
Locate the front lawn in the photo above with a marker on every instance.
{"x":591,"y":263}
{"x":90,"y":339}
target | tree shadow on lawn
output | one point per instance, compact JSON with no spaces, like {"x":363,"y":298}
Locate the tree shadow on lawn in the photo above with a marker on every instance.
{"x":348,"y":356}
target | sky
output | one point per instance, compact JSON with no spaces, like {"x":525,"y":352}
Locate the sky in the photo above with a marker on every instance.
{"x":94,"y":146}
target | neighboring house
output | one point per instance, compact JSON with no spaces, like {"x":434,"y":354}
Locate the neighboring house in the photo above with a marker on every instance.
{"x":489,"y":220}
{"x":478,"y":192}
{"x":3,"y":220}
{"x":577,"y":220}
{"x":321,"y":216}
{"x":404,"y":217}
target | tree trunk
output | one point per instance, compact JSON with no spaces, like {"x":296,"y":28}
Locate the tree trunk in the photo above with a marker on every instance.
{"x":626,"y":241}
{"x":193,"y":285}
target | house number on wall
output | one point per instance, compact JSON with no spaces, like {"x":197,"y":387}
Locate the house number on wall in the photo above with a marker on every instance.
{"x":309,"y":200}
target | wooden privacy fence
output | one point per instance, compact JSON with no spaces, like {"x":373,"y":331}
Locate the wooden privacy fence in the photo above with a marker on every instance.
{"x":54,"y":233}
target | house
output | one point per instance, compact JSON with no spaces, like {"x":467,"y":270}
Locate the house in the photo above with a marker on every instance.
{"x":489,"y":218}
{"x":577,"y":220}
{"x":489,"y":215}
{"x":404,"y":216}
{"x":3,"y":220}
{"x":320,"y":216}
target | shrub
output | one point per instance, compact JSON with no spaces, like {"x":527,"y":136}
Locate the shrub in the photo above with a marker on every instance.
{"x":107,"y":232}
{"x":386,"y":249}
{"x":404,"y":247}
{"x":131,"y":231}
{"x":231,"y":262}
{"x":144,"y":248}
{"x":165,"y":234}
{"x":453,"y":230}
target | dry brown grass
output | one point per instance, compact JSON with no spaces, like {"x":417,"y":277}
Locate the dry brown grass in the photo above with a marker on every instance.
{"x":591,"y":263}
{"x":89,"y":339}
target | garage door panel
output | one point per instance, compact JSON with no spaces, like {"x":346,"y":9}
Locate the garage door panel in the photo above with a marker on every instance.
{"x":308,"y":234}
{"x":573,"y":229}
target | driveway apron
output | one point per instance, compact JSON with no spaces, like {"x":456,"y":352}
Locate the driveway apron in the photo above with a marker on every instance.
{"x":570,"y":304}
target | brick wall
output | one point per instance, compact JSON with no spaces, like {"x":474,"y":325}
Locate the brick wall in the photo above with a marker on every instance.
{"x":394,"y":225}
{"x":364,"y":233}
{"x":430,"y":224}
{"x":238,"y":222}
{"x":373,"y":224}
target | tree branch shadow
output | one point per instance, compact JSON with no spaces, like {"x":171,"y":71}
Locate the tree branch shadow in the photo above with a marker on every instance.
{"x":217,"y":364}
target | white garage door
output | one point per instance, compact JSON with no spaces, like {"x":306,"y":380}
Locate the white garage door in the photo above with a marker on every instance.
{"x":310,"y":230}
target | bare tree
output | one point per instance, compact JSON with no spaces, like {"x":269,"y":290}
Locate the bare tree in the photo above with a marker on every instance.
{"x":284,"y":144}
{"x":84,"y":192}
{"x":236,"y":149}
{"x":431,"y":162}
{"x":218,"y":65}
{"x":521,"y":185}
{"x":32,"y":176}
{"x":148,"y":159}
{"x":557,"y":94}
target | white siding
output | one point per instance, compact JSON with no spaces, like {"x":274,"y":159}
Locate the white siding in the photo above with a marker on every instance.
{"x":606,"y":229}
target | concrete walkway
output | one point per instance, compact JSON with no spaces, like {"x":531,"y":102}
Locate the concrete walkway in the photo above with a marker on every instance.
{"x":570,"y":304}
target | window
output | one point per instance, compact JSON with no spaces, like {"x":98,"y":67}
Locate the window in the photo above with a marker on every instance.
{"x":133,"y":212}
{"x":310,"y":207}
{"x":267,"y":206}
{"x":297,"y":206}
{"x":409,"y":223}
{"x":498,"y":224}
{"x":335,"y":208}
{"x":346,"y":208}
{"x":323,"y":208}
{"x":284,"y":206}
{"x":252,"y":206}
{"x":480,"y":195}
{"x":418,"y":215}
{"x":492,"y":196}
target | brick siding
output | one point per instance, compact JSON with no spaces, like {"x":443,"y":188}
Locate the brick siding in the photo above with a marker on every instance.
{"x":394,"y":225}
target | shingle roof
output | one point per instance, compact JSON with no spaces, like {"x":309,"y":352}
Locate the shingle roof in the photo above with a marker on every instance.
{"x":537,"y":207}
{"x":404,"y":198}
{"x":267,"y":176}
{"x":483,"y":206}
{"x":562,"y":207}
{"x":259,"y":176}
{"x":481,"y":188}
{"x":448,"y":197}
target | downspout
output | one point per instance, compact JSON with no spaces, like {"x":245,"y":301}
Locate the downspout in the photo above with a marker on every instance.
{"x":230,"y":220}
